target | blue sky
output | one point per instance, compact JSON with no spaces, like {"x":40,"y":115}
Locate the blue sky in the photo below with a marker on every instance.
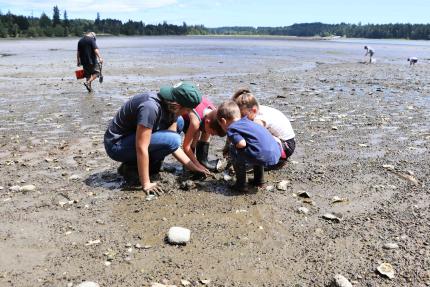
{"x":216,"y":13}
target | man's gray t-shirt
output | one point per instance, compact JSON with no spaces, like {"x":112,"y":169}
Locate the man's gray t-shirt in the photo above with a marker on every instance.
{"x":144,"y":109}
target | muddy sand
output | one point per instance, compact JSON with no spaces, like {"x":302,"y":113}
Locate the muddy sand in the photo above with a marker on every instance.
{"x":362,"y":134}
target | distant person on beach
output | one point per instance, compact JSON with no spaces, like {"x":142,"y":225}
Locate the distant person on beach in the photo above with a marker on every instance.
{"x":146,"y":129}
{"x":412,"y":61}
{"x":370,"y":52}
{"x":250,"y":144}
{"x":270,"y":118}
{"x":199,"y":125}
{"x":89,"y":57}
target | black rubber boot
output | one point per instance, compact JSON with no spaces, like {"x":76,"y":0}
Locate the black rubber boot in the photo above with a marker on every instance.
{"x":202,"y":150}
{"x":258,"y":179}
{"x":240,"y":171}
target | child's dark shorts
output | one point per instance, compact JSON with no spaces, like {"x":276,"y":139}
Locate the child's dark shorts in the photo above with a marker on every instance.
{"x":288,"y":147}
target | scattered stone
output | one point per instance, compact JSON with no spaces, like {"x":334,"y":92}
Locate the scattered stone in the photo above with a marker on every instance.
{"x":282,"y":185}
{"x":205,"y":281}
{"x":74,"y":177}
{"x":1,"y":187}
{"x":178,"y":235}
{"x":92,"y":242}
{"x":15,"y":188}
{"x":386,"y":269}
{"x":309,"y":201}
{"x":27,"y":188}
{"x":88,"y":284}
{"x":110,"y":255}
{"x":304,"y":194}
{"x":187,"y":185}
{"x":241,"y":211}
{"x":150,"y":197}
{"x":303,"y":210}
{"x":363,"y":145}
{"x":408,"y":177}
{"x":388,"y":166}
{"x":333,"y":217}
{"x":227,"y":177}
{"x":340,"y":281}
{"x":185,"y":282}
{"x":390,"y":246}
{"x":107,"y":263}
{"x":270,"y":188}
{"x":335,"y":128}
{"x":337,"y":199}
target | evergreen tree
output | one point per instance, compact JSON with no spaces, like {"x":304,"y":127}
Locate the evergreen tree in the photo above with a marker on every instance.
{"x":66,"y":22}
{"x":44,"y":21}
{"x":56,"y":17}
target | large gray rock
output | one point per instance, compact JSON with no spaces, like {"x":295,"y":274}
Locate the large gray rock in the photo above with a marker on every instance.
{"x":178,"y":235}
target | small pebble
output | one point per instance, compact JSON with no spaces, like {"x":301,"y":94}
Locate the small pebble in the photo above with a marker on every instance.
{"x":390,"y":246}
{"x":74,"y":177}
{"x":27,"y":188}
{"x":303,"y":210}
{"x":282,"y":185}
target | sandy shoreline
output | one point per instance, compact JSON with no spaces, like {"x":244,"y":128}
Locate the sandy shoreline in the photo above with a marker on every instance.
{"x":362,"y":135}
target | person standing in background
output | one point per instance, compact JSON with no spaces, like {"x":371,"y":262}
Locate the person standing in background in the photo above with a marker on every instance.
{"x":88,"y":55}
{"x":412,"y":61}
{"x":370,"y":52}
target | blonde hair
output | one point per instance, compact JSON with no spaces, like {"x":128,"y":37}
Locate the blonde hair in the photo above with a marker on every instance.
{"x":228,"y":110}
{"x":245,"y":99}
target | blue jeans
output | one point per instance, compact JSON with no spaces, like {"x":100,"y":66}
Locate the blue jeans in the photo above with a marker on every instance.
{"x":162,"y":143}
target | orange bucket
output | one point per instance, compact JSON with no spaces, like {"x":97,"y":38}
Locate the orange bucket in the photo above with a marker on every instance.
{"x":79,"y":74}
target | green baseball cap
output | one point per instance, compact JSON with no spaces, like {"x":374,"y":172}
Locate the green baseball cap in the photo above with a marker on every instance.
{"x":185,"y":94}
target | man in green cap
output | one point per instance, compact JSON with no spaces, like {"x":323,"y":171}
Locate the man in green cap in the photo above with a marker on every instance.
{"x":146,"y":129}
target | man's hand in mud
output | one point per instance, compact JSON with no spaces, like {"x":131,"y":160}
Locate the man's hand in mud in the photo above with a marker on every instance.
{"x":153,"y":188}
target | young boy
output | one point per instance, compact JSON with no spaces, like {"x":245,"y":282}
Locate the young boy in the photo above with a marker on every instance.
{"x":272,"y":119}
{"x":251,"y":144}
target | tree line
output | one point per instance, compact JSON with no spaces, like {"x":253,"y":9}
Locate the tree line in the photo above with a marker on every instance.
{"x":373,"y":31}
{"x":61,"y":26}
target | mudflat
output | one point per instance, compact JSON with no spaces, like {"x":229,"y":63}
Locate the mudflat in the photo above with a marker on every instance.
{"x":362,"y":159}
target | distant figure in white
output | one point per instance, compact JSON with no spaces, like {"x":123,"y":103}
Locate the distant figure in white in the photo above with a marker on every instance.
{"x":370,"y":52}
{"x":412,"y":61}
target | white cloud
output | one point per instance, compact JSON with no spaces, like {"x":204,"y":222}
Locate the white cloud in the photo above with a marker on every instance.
{"x":107,"y":6}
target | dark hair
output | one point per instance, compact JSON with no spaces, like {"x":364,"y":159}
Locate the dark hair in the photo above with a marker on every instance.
{"x":214,"y":124}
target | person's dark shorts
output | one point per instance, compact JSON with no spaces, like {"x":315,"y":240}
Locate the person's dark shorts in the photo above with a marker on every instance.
{"x":90,"y":70}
